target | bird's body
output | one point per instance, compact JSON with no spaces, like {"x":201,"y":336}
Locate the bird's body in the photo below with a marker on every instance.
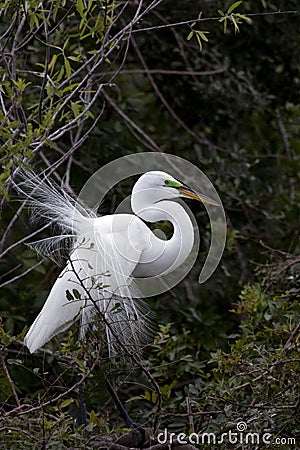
{"x":107,"y":254}
{"x":89,"y":282}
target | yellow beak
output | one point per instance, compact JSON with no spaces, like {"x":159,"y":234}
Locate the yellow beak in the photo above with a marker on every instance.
{"x":185,"y":191}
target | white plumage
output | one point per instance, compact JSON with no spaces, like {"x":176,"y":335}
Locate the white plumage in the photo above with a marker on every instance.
{"x":105,"y":255}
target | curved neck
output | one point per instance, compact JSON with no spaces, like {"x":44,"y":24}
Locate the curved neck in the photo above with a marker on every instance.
{"x":164,"y":256}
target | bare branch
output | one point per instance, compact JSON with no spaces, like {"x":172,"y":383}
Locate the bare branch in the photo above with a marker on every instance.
{"x":208,"y":19}
{"x":7,"y":374}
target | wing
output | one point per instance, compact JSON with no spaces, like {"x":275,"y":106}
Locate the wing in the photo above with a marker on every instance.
{"x":97,"y":284}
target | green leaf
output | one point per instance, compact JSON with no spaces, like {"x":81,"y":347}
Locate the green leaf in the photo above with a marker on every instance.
{"x":69,"y":295}
{"x":245,"y":18}
{"x":234,"y":6}
{"x":66,"y":402}
{"x":154,"y":398}
{"x":67,"y":67}
{"x":93,"y":417}
{"x":117,"y":307}
{"x":199,"y":42}
{"x":16,"y":362}
{"x":234,"y":21}
{"x":202,"y":35}
{"x":80,"y":7}
{"x":53,"y":61}
{"x":75,"y":109}
{"x":191,"y":34}
{"x":225,"y":26}
{"x":60,"y":74}
{"x":76,"y":294}
{"x":147,"y":396}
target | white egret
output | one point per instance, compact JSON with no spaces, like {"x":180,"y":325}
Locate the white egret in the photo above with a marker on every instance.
{"x":106,"y":254}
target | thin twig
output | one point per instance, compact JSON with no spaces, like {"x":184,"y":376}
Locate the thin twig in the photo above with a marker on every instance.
{"x":188,"y":72}
{"x":208,"y":19}
{"x":6,"y":371}
{"x":199,"y":138}
{"x":17,"y":277}
{"x":148,"y":141}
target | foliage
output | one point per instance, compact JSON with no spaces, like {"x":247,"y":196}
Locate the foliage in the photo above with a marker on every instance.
{"x":84,"y":82}
{"x":234,"y":18}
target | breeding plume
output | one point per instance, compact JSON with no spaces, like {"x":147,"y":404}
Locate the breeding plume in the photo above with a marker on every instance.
{"x":105,"y":256}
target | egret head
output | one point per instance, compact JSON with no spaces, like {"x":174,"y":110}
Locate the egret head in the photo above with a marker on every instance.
{"x":157,"y":186}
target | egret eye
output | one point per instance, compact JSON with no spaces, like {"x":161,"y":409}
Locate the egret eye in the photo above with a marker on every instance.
{"x":167,"y":181}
